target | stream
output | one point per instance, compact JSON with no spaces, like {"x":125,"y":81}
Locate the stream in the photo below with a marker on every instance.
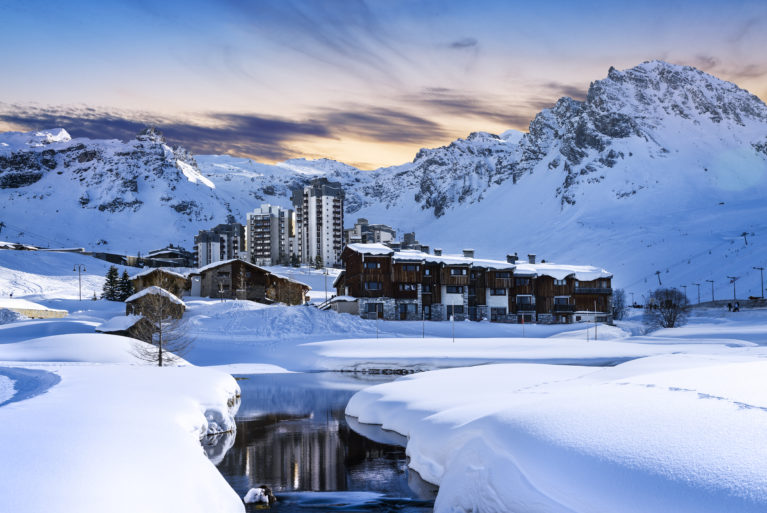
{"x":292,"y":435}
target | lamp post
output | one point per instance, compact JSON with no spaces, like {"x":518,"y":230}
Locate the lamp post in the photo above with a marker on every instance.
{"x":761,"y":275}
{"x":712,"y":290}
{"x":698,"y":285}
{"x":80,"y":268}
{"x":632,"y":299}
{"x":733,"y":279}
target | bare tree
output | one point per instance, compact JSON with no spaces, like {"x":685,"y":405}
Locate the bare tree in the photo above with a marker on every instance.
{"x":666,"y":308}
{"x":618,"y":304}
{"x":161,"y":329}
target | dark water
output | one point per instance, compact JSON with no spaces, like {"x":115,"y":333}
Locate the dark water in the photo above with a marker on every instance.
{"x":292,"y":435}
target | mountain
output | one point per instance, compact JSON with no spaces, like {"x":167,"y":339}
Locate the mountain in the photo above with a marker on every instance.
{"x":661,"y":168}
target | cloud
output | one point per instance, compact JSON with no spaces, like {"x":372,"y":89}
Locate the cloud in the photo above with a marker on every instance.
{"x":249,"y":135}
{"x":559,"y":89}
{"x":467,"y":104}
{"x":467,"y":42}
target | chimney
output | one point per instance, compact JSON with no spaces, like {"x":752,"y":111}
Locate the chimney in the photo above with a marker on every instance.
{"x":531,"y":258}
{"x":512,"y":259}
{"x":468,"y":253}
{"x":437,"y":252}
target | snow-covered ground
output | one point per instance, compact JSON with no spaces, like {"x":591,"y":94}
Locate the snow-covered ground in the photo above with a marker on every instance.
{"x":675,"y":426}
{"x":675,"y":433}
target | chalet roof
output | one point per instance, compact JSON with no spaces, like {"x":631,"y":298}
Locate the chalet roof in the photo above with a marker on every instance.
{"x":225,"y":262}
{"x":155,"y":290}
{"x":345,"y":299}
{"x":150,"y":270}
{"x":556,"y":271}
{"x":283,"y":277}
{"x":339,"y":279}
{"x":119,"y":323}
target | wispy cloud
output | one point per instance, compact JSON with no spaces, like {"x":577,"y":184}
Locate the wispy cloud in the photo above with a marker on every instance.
{"x":467,"y":42}
{"x":249,"y":135}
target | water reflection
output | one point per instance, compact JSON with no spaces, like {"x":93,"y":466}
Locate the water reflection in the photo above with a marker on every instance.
{"x":292,"y":435}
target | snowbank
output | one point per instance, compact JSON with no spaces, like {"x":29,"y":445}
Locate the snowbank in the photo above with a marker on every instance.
{"x":78,"y":347}
{"x":669,"y":433}
{"x":104,"y":427}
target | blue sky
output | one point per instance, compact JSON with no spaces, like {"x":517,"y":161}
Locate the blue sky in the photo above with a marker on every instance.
{"x":368,"y":83}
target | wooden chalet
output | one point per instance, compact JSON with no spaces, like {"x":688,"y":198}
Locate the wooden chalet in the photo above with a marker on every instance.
{"x":411,"y":285}
{"x":237,"y":279}
{"x":172,"y":281}
{"x":146,"y":299}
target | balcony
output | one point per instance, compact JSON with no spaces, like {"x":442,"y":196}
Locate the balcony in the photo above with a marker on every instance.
{"x":593,"y":290}
{"x":563,"y":308}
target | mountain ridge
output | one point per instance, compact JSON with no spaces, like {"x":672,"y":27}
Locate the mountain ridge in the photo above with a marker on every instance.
{"x":644,"y":140}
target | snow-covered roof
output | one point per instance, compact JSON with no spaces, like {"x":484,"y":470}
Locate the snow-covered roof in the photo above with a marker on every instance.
{"x":150,"y":270}
{"x":213,"y":265}
{"x":283,"y":277}
{"x":23,"y":304}
{"x":119,"y":323}
{"x":15,"y":245}
{"x":556,"y":271}
{"x":156,"y":290}
{"x":342,"y":298}
{"x":338,"y":278}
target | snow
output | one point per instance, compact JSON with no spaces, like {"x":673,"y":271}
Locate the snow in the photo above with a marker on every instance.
{"x":13,"y":141}
{"x":166,"y":270}
{"x":667,"y":433}
{"x":21,"y":304}
{"x":155,"y":290}
{"x":343,"y":298}
{"x":6,"y":389}
{"x":193,"y":174}
{"x":119,"y":323}
{"x":255,"y":496}
{"x":86,"y":417}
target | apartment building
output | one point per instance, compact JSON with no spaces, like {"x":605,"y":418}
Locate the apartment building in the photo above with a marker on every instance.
{"x":319,"y":222}
{"x":364,"y":232}
{"x":414,"y":285}
{"x":224,"y":242}
{"x":270,"y":235}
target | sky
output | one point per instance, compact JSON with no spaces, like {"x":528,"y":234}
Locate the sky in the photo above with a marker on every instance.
{"x":368,"y":83}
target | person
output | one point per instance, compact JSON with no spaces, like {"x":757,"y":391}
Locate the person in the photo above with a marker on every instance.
{"x":11,"y":293}
{"x":737,"y":307}
{"x":729,"y":307}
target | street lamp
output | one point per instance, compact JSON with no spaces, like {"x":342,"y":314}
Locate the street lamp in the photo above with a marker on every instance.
{"x":79,"y":268}
{"x":761,"y":274}
{"x":712,"y":290}
{"x":733,"y":279}
{"x":698,"y":285}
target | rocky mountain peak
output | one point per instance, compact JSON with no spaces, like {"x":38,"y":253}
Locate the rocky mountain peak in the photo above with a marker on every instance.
{"x":151,"y":134}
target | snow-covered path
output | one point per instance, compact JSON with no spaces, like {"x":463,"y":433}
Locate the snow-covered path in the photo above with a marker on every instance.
{"x":26,"y":383}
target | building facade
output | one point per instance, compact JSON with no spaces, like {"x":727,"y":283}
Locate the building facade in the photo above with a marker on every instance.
{"x":270,"y":233}
{"x":319,"y":222}
{"x":363,"y":233}
{"x":224,"y":242}
{"x":413,"y":285}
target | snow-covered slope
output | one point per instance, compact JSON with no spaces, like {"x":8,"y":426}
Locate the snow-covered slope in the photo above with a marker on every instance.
{"x":661,"y":168}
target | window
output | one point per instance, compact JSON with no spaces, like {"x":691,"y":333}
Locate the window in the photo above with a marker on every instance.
{"x":427,"y":272}
{"x":497,"y":312}
{"x":454,"y":289}
{"x":373,"y":285}
{"x":374,"y":307}
{"x":222,"y":274}
{"x":408,"y":286}
{"x":457,"y":272}
{"x":522,"y":282}
{"x":372,"y":265}
{"x":497,"y":292}
{"x":454,"y":309}
{"x":560,"y":282}
{"x":410,"y":267}
{"x":405,"y":308}
{"x":525,"y":300}
{"x":577,"y":284}
{"x":562,"y":300}
{"x":426,"y":288}
{"x":502,"y":275}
